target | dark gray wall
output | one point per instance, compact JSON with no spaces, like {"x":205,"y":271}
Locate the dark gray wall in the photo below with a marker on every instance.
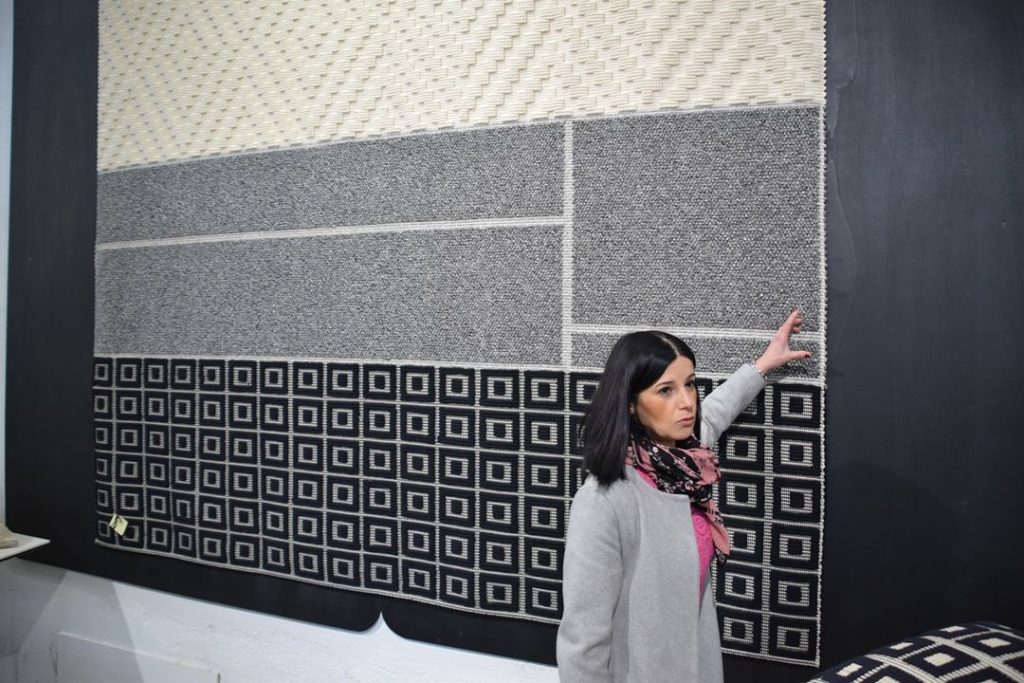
{"x":925,"y":214}
{"x":926,"y":255}
{"x":924,"y":513}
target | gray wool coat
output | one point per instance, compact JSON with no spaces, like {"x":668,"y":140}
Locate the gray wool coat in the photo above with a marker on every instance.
{"x":633,"y":609}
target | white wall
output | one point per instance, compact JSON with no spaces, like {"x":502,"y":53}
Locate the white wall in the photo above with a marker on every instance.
{"x":40,"y":605}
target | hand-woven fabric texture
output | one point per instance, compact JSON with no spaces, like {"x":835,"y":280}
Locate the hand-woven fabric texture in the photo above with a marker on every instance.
{"x":444,"y":484}
{"x":358,"y":266}
{"x":181,"y":79}
{"x":196,"y":264}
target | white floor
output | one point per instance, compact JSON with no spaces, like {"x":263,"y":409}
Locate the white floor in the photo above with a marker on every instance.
{"x":58,"y":626}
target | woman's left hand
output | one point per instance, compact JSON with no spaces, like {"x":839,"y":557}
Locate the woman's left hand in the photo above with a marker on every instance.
{"x":778,"y":352}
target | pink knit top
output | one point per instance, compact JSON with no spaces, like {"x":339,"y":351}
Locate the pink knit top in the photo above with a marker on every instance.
{"x":701,"y":532}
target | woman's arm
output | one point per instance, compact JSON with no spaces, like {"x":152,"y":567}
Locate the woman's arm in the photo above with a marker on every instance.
{"x":720,"y":408}
{"x":591,"y":584}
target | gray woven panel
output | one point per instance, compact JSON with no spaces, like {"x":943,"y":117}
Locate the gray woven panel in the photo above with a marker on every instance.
{"x":706,"y":219}
{"x":513,"y":171}
{"x":714,"y":356}
{"x":479,"y":295}
{"x":353,"y":312}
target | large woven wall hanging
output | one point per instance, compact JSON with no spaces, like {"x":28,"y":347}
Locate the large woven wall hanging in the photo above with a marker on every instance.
{"x":359,"y":264}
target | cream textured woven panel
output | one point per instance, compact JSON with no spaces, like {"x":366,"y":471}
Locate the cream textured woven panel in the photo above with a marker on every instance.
{"x":184,"y":79}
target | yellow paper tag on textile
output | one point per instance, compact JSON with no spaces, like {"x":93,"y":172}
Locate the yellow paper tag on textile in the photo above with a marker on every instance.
{"x":119,"y":524}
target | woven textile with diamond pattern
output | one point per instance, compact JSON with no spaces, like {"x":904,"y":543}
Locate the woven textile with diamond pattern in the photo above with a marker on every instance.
{"x":980,"y":652}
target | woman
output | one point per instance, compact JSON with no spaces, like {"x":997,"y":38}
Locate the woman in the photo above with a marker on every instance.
{"x":643,"y":527}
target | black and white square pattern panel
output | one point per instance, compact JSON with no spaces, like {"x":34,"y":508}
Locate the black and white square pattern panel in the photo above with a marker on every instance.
{"x":981,"y":652}
{"x":771,"y":497}
{"x":446,"y":485}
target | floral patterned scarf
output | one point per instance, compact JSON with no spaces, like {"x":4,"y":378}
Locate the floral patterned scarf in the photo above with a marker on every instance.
{"x":688,"y":468}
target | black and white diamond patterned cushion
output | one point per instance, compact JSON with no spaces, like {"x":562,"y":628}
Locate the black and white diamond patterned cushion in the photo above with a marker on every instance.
{"x":981,"y":652}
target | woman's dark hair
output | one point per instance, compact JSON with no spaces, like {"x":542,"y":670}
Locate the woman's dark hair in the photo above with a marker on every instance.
{"x":636,"y":362}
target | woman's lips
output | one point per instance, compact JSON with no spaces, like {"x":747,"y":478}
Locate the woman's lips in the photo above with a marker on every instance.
{"x":685,"y":421}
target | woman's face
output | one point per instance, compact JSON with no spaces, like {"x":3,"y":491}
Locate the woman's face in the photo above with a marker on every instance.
{"x":668,"y":408}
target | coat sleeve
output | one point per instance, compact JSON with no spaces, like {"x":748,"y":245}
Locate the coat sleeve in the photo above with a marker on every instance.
{"x":720,"y":408}
{"x":591,"y":584}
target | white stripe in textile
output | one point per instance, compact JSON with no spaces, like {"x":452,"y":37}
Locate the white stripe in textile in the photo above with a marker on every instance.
{"x":823,"y":348}
{"x":475,"y":224}
{"x":702,"y":332}
{"x":567,"y":248}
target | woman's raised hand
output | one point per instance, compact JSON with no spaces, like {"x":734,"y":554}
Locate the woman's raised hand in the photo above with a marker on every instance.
{"x":778,"y":352}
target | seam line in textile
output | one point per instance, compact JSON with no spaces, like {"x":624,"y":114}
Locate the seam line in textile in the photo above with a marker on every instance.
{"x":362,"y":558}
{"x":788,"y":522}
{"x":791,"y":570}
{"x":408,"y":405}
{"x":391,"y":135}
{"x":114,"y":502}
{"x":567,"y":243}
{"x":198,"y":510}
{"x":769,"y":477}
{"x":371,"y":516}
{"x":520,"y":509}
{"x":196,"y":527}
{"x":708,"y":332}
{"x":769,"y":518}
{"x":470,"y":224}
{"x":261,"y":509}
{"x":764,"y":427}
{"x":752,"y":610}
{"x":335,"y":359}
{"x":661,"y":111}
{"x":812,"y":381}
{"x":374,"y":515}
{"x":823,"y":302}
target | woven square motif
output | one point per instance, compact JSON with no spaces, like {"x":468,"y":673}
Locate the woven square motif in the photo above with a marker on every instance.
{"x":444,"y":485}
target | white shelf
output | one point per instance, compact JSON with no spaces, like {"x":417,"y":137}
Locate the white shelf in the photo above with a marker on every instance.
{"x":25,"y":543}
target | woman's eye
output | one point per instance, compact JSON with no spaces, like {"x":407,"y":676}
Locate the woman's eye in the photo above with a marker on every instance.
{"x":691,"y":384}
{"x":664,"y":391}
